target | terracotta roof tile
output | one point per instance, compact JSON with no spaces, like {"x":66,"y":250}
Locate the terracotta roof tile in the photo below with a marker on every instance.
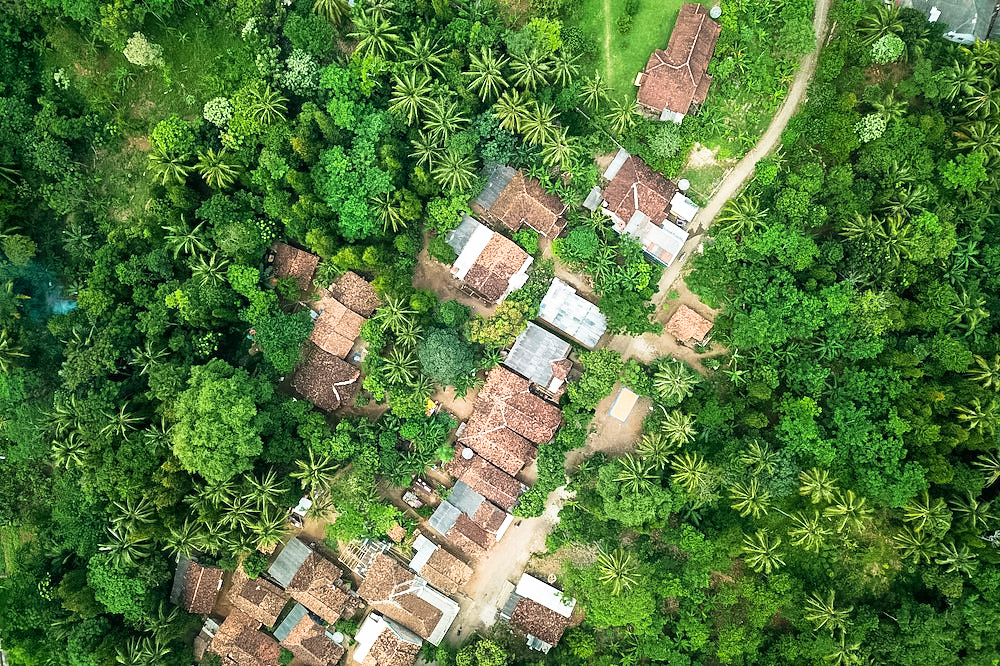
{"x":675,"y":78}
{"x":315,"y":586}
{"x":524,"y":202}
{"x":310,"y":644}
{"x":390,"y":650}
{"x":686,"y":324}
{"x":498,"y":444}
{"x":238,"y":642}
{"x":324,"y":379}
{"x":290,"y":261}
{"x":336,"y":328}
{"x":637,"y":182}
{"x":445,"y":571}
{"x":537,"y":620}
{"x":499,"y":261}
{"x":486,"y":479}
{"x":356,"y":293}
{"x":201,"y":587}
{"x":386,"y":588}
{"x":257,"y":598}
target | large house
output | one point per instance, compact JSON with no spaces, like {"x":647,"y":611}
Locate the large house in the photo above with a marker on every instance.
{"x":438,"y":567}
{"x":678,"y":77}
{"x":313,"y":581}
{"x":539,"y":611}
{"x":239,"y":642}
{"x":382,"y":642}
{"x":572,"y":315}
{"x":514,"y":200}
{"x":489,"y":265}
{"x":468,"y":520}
{"x":324,"y":379}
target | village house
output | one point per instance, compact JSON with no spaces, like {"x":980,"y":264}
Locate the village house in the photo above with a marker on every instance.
{"x":644,"y":205}
{"x":542,"y":358}
{"x":678,"y":77}
{"x":438,"y":567}
{"x":407,"y":599}
{"x":356,"y":293}
{"x":489,"y":265}
{"x":308,"y":640}
{"x":239,"y":642}
{"x":515,"y":201}
{"x":689,"y":327}
{"x":196,"y":587}
{"x":539,"y":611}
{"x":382,"y":642}
{"x":470,"y":521}
{"x":283,"y":261}
{"x":967,"y":20}
{"x":326,"y":380}
{"x":257,"y":598}
{"x":336,"y":327}
{"x":574,"y":316}
{"x":313,"y":581}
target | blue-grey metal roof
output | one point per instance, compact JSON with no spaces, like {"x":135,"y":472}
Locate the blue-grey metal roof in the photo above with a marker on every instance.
{"x":594,"y":199}
{"x":465,"y":498}
{"x":459,"y":237}
{"x":497,"y":176}
{"x":294,"y":616}
{"x":289,"y":561}
{"x":179,"y":574}
{"x":572,"y":314}
{"x":534,"y":352}
{"x":444,"y":517}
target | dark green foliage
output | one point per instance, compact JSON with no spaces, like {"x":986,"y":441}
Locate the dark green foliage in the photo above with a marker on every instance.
{"x":445,"y":357}
{"x":255,"y":564}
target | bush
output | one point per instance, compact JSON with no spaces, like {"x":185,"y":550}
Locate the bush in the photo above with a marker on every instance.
{"x":527,"y":238}
{"x":218,"y":111}
{"x":255,"y":564}
{"x":887,"y":49}
{"x":142,"y":52}
{"x":173,"y":136}
{"x":453,"y":314}
{"x":309,"y":33}
{"x":445,"y":357}
{"x":439,"y":250}
{"x":624,"y":24}
{"x":287,"y":656}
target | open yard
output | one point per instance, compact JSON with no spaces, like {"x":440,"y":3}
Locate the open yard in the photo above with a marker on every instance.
{"x":621,"y":57}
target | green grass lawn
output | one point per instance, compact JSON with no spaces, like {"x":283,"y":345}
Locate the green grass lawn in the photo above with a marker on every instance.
{"x":627,"y":54}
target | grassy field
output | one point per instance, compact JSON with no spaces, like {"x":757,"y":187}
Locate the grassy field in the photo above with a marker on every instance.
{"x":621,"y":57}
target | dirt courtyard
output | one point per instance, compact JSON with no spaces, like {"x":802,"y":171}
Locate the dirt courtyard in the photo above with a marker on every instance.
{"x":435,"y":276}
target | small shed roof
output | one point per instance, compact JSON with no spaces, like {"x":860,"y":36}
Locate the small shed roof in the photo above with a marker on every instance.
{"x":289,"y":561}
{"x":466,"y":499}
{"x":564,"y":309}
{"x":444,"y":517}
{"x":497,"y":176}
{"x":297,"y":613}
{"x":382,"y":642}
{"x":542,"y":593}
{"x":326,"y":380}
{"x":356,"y":293}
{"x":288,"y":261}
{"x":686,"y":324}
{"x":623,"y":404}
{"x":535,"y":354}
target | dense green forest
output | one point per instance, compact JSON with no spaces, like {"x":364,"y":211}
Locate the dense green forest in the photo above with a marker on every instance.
{"x":824,"y":495}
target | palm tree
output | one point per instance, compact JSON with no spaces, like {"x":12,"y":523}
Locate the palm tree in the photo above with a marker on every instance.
{"x":238,"y":512}
{"x":9,"y":173}
{"x":564,"y":69}
{"x":455,"y":172}
{"x":425,"y":149}
{"x":267,"y":105}
{"x":125,"y":548}
{"x":133,"y":513}
{"x":844,"y":653}
{"x":868,"y":228}
{"x":411,"y":94}
{"x":167,"y":168}
{"x":485,"y":74}
{"x":387,"y":210}
{"x":809,"y":532}
{"x":212,"y":271}
{"x":979,"y":417}
{"x":817,"y":485}
{"x":760,"y":458}
{"x":157,"y":435}
{"x":750,"y":499}
{"x":375,"y":34}
{"x":120,"y":423}
{"x":760,"y":552}
{"x":333,"y":11}
{"x":211,"y":536}
{"x":984,"y":101}
{"x":559,"y":150}
{"x":970,"y":311}
{"x":316,"y":473}
{"x":912,"y":544}
{"x":401,"y":366}
{"x":891,"y":108}
{"x":912,"y":198}
{"x":979,"y":136}
{"x":182,"y":540}
{"x":974,"y":514}
{"x":876,"y":24}
{"x":69,"y":451}
{"x":656,"y":449}
{"x":956,"y":558}
{"x":690,"y":471}
{"x":267,"y":490}
{"x":216,"y":169}
{"x":269,"y":530}
{"x":594,"y":91}
{"x":617,"y":569}
{"x":180,"y":238}
{"x":678,"y":427}
{"x":742,"y":216}
{"x":674,"y":381}
{"x":635,"y":474}
{"x":959,"y":79}
{"x":538,"y":124}
{"x":510,"y":110}
{"x":848,"y":512}
{"x":622,"y":115}
{"x":217,"y":493}
{"x":924,"y":512}
{"x":410,"y":335}
{"x":9,"y":351}
{"x":822,"y":612}
{"x":132,"y":652}
{"x":987,"y":373}
{"x":147,"y":357}
{"x":394,"y":314}
{"x":423,"y":53}
{"x":989,"y":464}
{"x":530,"y":70}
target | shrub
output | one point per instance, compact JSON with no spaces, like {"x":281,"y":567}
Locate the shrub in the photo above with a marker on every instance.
{"x":255,"y":564}
{"x":453,"y":314}
{"x":439,"y":250}
{"x":887,"y":49}
{"x":301,"y":74}
{"x":624,"y":24}
{"x":287,"y":656}
{"x":309,"y":33}
{"x":445,"y":357}
{"x":528,"y":239}
{"x":870,"y":128}
{"x":218,"y":111}
{"x":142,"y":52}
{"x":173,"y":136}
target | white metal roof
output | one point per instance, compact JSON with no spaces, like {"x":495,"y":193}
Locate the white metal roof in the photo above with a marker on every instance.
{"x":542,"y":593}
{"x":683,"y":207}
{"x":372,"y":628}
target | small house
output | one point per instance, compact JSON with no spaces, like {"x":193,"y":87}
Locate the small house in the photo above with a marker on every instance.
{"x":542,"y":358}
{"x":489,"y":265}
{"x":336,"y":326}
{"x":514,"y":200}
{"x":439,"y":567}
{"x":382,"y":642}
{"x":196,"y":587}
{"x":257,"y":598}
{"x":469,"y":520}
{"x":284,"y":260}
{"x":689,"y":327}
{"x":239,"y":642}
{"x":574,"y":316}
{"x":308,"y":640}
{"x":356,"y":293}
{"x":539,"y":611}
{"x":313,"y":581}
{"x":326,"y":380}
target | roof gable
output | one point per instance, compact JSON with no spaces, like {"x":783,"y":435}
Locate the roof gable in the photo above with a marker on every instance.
{"x":637,"y":187}
{"x":687,"y":324}
{"x":523,"y":202}
{"x":324,"y":379}
{"x":288,"y":261}
{"x":356,"y":293}
{"x":336,"y":327}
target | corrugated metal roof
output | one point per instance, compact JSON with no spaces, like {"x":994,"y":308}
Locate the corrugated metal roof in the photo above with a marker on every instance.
{"x":297,"y":613}
{"x":572,"y":314}
{"x":616,"y":164}
{"x":497,"y":176}
{"x":534,"y":352}
{"x":594,"y":199}
{"x":425,"y":548}
{"x":459,"y":237}
{"x":443,"y":519}
{"x":544,"y":594}
{"x":289,"y":561}
{"x":175,"y":591}
{"x":465,"y":498}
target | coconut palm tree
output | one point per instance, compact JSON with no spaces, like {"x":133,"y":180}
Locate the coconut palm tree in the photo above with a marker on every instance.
{"x":559,"y":150}
{"x":911,"y":198}
{"x":844,"y":653}
{"x":874,"y":25}
{"x":217,"y":493}
{"x":956,"y":558}
{"x":690,"y":471}
{"x":132,"y":652}
{"x":742,"y":215}
{"x":125,"y":548}
{"x":867,"y":228}
{"x":443,"y":120}
{"x":969,"y":312}
{"x":333,"y":11}
{"x":809,"y":532}
{"x":564,"y":68}
{"x":388,"y":212}
{"x":316,"y":474}
{"x":510,"y":110}
{"x":267,"y":490}
{"x":426,"y":150}
{"x":216,"y":168}
{"x":394,"y":314}
{"x":120,"y":423}
{"x":269,"y":530}
{"x":182,"y":540}
{"x":169,"y":168}
{"x":411,"y":95}
{"x":401,"y":366}
{"x":971,"y":512}
{"x":538,"y":124}
{"x":817,"y":485}
{"x":485,"y":74}
{"x":455,"y":172}
{"x":750,"y":499}
{"x":984,"y":102}
{"x":914,"y":545}
{"x":376,"y":36}
{"x":622,"y":116}
{"x":980,"y":136}
{"x":678,"y":427}
{"x":423,"y":53}
{"x":656,"y":449}
{"x":959,"y":79}
{"x":238,"y":511}
{"x":530,"y":71}
{"x":410,"y":335}
{"x":674,"y":381}
{"x":823,"y":612}
{"x":989,"y":464}
{"x":979,"y":417}
{"x":635,"y":474}
{"x":926,"y":513}
{"x":180,"y":238}
{"x":68,"y":451}
{"x":760,"y":458}
{"x":267,"y":105}
{"x":211,"y":536}
{"x":211,"y":271}
{"x":849,"y":512}
{"x":594,"y":91}
{"x":986,"y":373}
{"x":9,"y":352}
{"x":760,"y":552}
{"x":617,"y":569}
{"x":133,"y":513}
{"x":891,"y":108}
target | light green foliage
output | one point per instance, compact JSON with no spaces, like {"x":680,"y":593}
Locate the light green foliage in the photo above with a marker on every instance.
{"x":444,"y":357}
{"x":870,"y":127}
{"x":218,"y":111}
{"x":502,"y":329}
{"x":173,"y":136}
{"x":887,"y":48}
{"x":602,"y":368}
{"x":142,"y":52}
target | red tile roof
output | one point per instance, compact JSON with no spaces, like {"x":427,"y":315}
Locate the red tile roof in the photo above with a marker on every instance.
{"x":325,"y":379}
{"x":356,"y":293}
{"x":636,"y":183}
{"x":310,"y":644}
{"x":336,"y":328}
{"x":533,"y":618}
{"x":499,"y":261}
{"x":445,"y":571}
{"x":524,"y":202}
{"x":390,"y":650}
{"x":676,"y":78}
{"x":386,"y":587}
{"x":315,"y":586}
{"x":257,"y":598}
{"x":686,"y":324}
{"x":290,"y":261}
{"x":486,"y":479}
{"x":201,"y":587}
{"x":239,"y":643}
